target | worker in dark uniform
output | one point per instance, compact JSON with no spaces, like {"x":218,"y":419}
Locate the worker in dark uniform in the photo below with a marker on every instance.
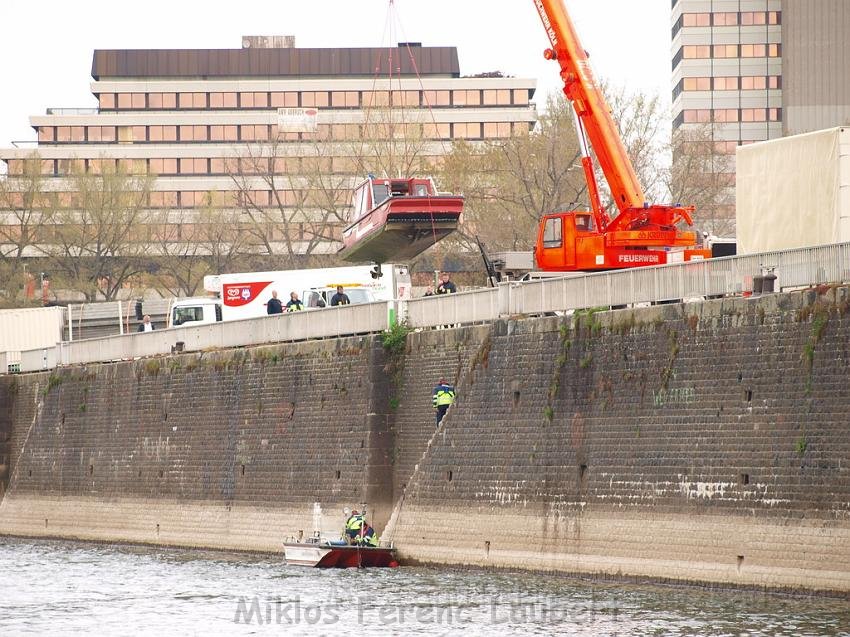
{"x":340,"y":298}
{"x":274,"y":306}
{"x":442,"y":398}
{"x":367,"y":537}
{"x":294,"y":304}
{"x":446,"y":286}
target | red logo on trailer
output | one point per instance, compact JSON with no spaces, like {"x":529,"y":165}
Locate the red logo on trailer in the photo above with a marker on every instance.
{"x":238,"y":294}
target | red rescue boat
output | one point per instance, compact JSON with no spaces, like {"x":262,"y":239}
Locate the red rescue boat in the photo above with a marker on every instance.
{"x":324,"y":554}
{"x":397,"y":219}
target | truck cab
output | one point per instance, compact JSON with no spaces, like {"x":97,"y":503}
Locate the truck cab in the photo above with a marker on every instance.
{"x":194,"y":311}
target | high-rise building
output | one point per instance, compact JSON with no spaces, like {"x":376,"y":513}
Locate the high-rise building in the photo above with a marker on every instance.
{"x":751,"y":70}
{"x":249,"y":129}
{"x":815,"y":57}
{"x":727,"y":87}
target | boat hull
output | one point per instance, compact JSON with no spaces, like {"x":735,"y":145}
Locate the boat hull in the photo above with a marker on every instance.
{"x":330,"y":556}
{"x":401,"y":228}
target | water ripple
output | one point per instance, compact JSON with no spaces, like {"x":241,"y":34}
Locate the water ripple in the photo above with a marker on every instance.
{"x":53,"y":587}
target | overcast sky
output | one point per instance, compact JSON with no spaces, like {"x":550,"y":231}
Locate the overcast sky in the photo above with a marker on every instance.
{"x":46,"y":45}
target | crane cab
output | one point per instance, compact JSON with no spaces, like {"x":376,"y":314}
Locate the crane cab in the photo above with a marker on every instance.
{"x":569,"y":241}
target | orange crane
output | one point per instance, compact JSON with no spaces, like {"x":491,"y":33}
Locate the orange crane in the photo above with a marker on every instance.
{"x":641,"y":233}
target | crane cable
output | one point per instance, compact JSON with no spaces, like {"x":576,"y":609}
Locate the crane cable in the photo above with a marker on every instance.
{"x":427,"y":102}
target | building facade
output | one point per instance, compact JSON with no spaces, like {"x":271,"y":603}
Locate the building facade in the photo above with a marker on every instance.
{"x":816,"y":54}
{"x":252,"y":130}
{"x":746,"y":71}
{"x":727,"y":86}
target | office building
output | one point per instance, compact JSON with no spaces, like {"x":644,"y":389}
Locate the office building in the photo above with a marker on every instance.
{"x":250,"y":129}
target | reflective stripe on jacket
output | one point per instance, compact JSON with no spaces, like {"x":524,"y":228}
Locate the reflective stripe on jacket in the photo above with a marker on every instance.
{"x":443,"y":395}
{"x":355,"y":523}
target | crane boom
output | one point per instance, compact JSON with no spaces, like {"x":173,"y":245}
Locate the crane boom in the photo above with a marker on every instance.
{"x":642,"y":233}
{"x":590,"y":105}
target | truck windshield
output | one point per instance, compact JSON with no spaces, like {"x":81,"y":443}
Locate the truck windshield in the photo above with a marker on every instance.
{"x":187,"y":315}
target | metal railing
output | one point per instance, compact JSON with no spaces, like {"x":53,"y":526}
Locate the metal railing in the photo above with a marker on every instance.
{"x":332,"y":322}
{"x":686,"y":281}
{"x":85,"y":110}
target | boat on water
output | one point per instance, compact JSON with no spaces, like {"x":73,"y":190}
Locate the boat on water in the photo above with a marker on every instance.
{"x":322,"y":553}
{"x":397,"y":219}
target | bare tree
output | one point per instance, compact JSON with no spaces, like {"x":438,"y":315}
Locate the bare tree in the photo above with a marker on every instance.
{"x":701,"y":176}
{"x":642,"y":124}
{"x":101,"y":233}
{"x":687,"y":169}
{"x":509,"y":184}
{"x":191,"y":244}
{"x":295,"y":207}
{"x":290,"y":205}
{"x":26,"y":211}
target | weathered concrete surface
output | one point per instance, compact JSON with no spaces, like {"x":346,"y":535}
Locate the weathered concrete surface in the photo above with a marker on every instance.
{"x":269,"y":442}
{"x":704,"y":442}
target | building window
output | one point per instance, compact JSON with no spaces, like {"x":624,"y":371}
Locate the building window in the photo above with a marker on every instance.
{"x":285,"y":100}
{"x":694,"y":116}
{"x":696,"y":19}
{"x":761,"y":50}
{"x":726,"y":115}
{"x":470,"y":130}
{"x":497,"y":130}
{"x":694,"y":52}
{"x":725,"y":19}
{"x":466,"y":98}
{"x":726,"y":83}
{"x":162,"y":100}
{"x":223,"y":100}
{"x":106,"y":101}
{"x":437,"y":131}
{"x":320,"y":99}
{"x":697,"y":84}
{"x":722,"y":51}
{"x":193,"y":133}
{"x":436,"y":98}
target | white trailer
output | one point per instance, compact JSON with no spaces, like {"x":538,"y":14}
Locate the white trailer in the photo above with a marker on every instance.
{"x":25,"y":329}
{"x":794,"y":192}
{"x":246,"y":294}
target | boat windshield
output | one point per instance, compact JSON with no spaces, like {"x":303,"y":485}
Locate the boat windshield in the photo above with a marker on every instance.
{"x":380,"y":193}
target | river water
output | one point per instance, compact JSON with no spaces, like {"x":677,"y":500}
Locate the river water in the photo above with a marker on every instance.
{"x":51,"y":587}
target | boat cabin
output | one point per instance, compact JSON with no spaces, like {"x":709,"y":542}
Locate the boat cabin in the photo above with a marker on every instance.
{"x":373,"y":192}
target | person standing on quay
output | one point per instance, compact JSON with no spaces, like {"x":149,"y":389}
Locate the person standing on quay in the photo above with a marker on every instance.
{"x":340,"y":298}
{"x":146,"y":325}
{"x":274,"y":306}
{"x":446,"y":286}
{"x":294,"y":303}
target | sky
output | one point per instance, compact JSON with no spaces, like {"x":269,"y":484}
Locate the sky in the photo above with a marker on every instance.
{"x":46,"y":45}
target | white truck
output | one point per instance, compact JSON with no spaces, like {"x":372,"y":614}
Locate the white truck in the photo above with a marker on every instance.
{"x":245,"y":294}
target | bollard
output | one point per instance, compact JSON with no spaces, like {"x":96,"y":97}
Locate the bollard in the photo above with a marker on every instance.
{"x":758,"y":284}
{"x":769,"y":282}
